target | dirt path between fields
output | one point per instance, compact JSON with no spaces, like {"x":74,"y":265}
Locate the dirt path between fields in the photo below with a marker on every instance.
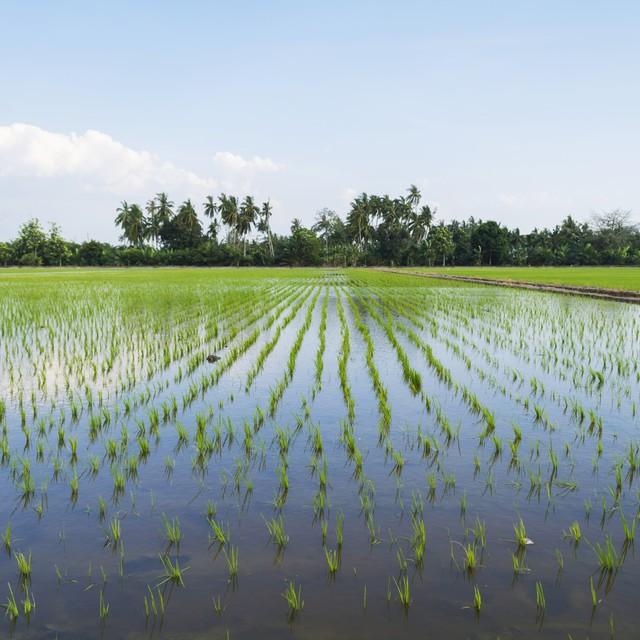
{"x":575,"y":290}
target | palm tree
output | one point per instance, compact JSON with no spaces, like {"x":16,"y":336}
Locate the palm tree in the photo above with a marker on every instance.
{"x":358,"y":220}
{"x":188,"y":215}
{"x":165,"y":208}
{"x":154,"y":224}
{"x":228,"y":209}
{"x":247,"y":219}
{"x":137,"y":226}
{"x":264,"y":226}
{"x":413,"y":199}
{"x":210,"y":210}
{"x":325,"y":219}
{"x":131,"y":219}
{"x":122,"y":217}
{"x":418,"y":219}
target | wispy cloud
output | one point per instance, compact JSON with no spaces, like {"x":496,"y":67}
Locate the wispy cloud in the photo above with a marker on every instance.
{"x":231,"y":162}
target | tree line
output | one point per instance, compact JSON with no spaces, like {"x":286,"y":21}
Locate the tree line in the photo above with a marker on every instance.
{"x":377,"y":230}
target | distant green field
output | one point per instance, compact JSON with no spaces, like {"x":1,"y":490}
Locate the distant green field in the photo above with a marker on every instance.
{"x":627,"y":278}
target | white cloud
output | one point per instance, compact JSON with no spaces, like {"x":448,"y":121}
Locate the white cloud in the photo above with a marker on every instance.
{"x":95,"y":157}
{"x":234,"y":163}
{"x":101,"y":163}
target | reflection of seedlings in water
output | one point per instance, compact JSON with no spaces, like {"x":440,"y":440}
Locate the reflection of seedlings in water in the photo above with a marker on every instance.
{"x":103,"y":607}
{"x":541,"y":603}
{"x":518,"y":562}
{"x":7,"y":538}
{"x":218,"y":605}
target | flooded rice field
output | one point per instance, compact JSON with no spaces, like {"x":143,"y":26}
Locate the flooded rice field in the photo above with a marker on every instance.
{"x":314,"y":454}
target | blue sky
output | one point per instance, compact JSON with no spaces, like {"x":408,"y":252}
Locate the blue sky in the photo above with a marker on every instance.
{"x":523,"y":112}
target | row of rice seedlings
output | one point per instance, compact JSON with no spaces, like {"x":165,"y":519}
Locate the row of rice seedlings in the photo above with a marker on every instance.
{"x":278,"y":391}
{"x":343,"y":359}
{"x":411,"y":376}
{"x":380,"y":390}
{"x":270,"y":345}
{"x":322,"y":330}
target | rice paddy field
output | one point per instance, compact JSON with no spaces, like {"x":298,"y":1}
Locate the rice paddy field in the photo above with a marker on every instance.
{"x":314,"y":454}
{"x":623,"y":278}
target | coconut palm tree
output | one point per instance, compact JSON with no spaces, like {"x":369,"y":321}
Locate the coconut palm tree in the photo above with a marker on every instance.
{"x":228,"y":209}
{"x":264,"y":226}
{"x":122,"y":217}
{"x":325,"y":220}
{"x":358,"y":220}
{"x":211,"y":210}
{"x":154,"y":223}
{"x":246,"y":220}
{"x":165,"y":208}
{"x":413,"y":199}
{"x":188,"y":215}
{"x":131,"y":219}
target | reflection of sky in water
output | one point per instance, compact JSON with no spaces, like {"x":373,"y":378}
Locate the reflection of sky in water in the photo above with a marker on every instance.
{"x":70,"y":536}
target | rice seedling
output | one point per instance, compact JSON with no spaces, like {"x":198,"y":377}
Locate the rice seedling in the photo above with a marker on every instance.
{"x":470,"y":558}
{"x":275,"y":527}
{"x":607,"y":555}
{"x":28,"y":604}
{"x":594,"y":593}
{"x":232,"y":561}
{"x":172,"y":530}
{"x":114,"y":534}
{"x":173,"y":572}
{"x":629,"y":530}
{"x":574,"y":533}
{"x":293,"y":597}
{"x":521,"y":534}
{"x":24,"y":565}
{"x":333,"y":560}
{"x":11,"y":606}
{"x":477,"y":599}
{"x":154,"y":603}
{"x":403,"y":590}
{"x":339,"y":529}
